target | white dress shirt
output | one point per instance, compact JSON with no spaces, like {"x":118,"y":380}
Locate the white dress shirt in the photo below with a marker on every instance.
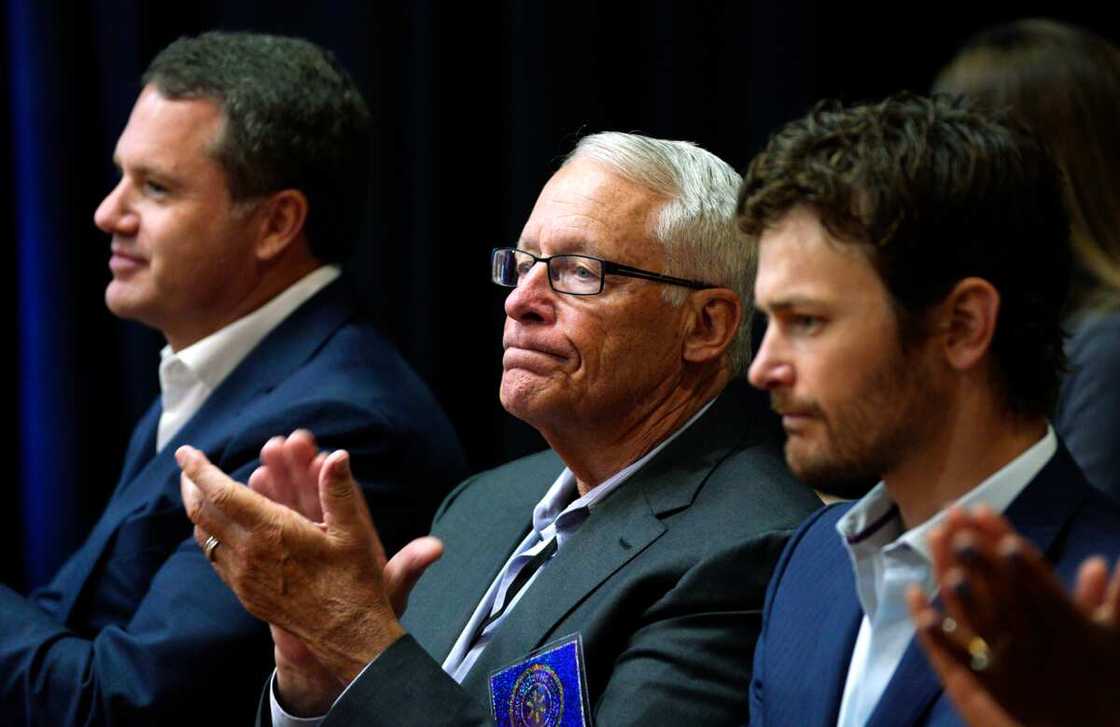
{"x":188,"y":377}
{"x":558,"y":515}
{"x":888,"y":559}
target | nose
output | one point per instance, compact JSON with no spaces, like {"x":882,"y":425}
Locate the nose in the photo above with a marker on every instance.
{"x":114,"y":214}
{"x":770,"y":369}
{"x":533,"y":299}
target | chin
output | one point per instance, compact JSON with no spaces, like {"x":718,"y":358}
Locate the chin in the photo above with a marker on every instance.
{"x":124,"y":302}
{"x":523,"y":397}
{"x":848,"y":480}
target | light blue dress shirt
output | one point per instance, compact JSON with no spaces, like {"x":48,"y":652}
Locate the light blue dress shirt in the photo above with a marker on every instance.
{"x":887,"y":560}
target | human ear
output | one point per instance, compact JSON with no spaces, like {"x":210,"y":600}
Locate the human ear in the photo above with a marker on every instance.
{"x":281,"y":218}
{"x":713,"y":325}
{"x":968,"y":321}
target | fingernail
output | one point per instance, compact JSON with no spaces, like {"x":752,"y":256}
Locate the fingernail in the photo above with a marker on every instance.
{"x":967,"y":553}
{"x":1013,"y":555}
{"x":182,"y":455}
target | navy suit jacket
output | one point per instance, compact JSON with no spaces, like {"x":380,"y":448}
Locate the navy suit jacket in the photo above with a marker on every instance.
{"x":136,"y":628}
{"x":812,"y":614}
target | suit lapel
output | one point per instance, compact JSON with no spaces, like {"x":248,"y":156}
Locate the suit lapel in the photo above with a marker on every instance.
{"x":1039,"y":513}
{"x":142,"y":446}
{"x":824,"y":650}
{"x":617,"y":530}
{"x":839,"y":623}
{"x":282,"y":351}
{"x":428,"y":620}
{"x":149,"y":479}
{"x":591,"y":556}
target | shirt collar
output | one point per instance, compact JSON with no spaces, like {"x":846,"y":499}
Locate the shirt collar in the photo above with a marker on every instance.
{"x":876,"y":515}
{"x":213,"y":358}
{"x":562,"y":497}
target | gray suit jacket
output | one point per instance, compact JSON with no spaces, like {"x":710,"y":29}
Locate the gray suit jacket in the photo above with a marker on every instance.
{"x":664,"y":581}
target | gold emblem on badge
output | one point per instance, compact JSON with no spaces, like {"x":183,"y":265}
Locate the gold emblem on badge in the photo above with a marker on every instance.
{"x":537,"y":698}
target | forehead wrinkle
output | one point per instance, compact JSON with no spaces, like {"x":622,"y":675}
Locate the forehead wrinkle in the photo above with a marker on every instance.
{"x":586,"y":208}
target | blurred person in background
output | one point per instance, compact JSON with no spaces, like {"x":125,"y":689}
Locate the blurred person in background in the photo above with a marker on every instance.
{"x":1064,"y":83}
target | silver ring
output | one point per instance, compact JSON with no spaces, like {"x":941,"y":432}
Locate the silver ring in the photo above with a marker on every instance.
{"x":210,"y":546}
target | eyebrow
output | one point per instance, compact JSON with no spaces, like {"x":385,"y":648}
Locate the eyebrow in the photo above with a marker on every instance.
{"x":564,"y":247}
{"x":790,"y":302}
{"x":145,"y":170}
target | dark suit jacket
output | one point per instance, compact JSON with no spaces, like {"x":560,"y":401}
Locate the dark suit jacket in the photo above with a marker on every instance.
{"x":664,"y":582}
{"x":813,"y":615}
{"x":1088,"y":413}
{"x":136,"y":628}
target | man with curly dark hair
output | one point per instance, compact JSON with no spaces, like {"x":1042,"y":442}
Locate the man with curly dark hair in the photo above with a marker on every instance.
{"x":914,"y":268}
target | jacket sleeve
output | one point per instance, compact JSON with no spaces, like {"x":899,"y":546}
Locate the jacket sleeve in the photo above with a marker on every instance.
{"x":179,"y":637}
{"x":685,"y":660}
{"x":119,"y":675}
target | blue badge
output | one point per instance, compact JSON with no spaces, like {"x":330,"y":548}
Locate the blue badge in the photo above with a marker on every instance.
{"x":546,"y":690}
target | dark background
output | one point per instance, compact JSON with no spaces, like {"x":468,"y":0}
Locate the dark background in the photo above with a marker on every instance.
{"x":474,"y":103}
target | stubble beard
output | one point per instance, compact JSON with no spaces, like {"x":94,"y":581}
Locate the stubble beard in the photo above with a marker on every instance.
{"x":867,"y":437}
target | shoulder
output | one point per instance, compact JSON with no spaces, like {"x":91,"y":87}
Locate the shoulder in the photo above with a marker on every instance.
{"x":1092,"y":528}
{"x":1065,"y":517}
{"x":523,"y":480}
{"x":815,"y":551}
{"x":341,"y":376}
{"x":754,"y":486}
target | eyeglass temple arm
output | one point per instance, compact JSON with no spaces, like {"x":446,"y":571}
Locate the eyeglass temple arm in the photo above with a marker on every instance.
{"x":618,"y":268}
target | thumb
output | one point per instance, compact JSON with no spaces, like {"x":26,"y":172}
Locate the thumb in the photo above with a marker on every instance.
{"x":339,"y":495}
{"x":405,"y":568}
{"x":199,"y":471}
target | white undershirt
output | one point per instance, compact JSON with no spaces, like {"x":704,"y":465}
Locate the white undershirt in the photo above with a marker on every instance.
{"x":188,"y":377}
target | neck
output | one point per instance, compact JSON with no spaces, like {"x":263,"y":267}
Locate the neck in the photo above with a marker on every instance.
{"x":957,"y":458}
{"x":597,"y":447}
{"x":272,"y":283}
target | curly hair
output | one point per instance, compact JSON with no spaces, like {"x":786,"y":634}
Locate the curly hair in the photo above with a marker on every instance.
{"x":934,"y":191}
{"x":293,"y":120}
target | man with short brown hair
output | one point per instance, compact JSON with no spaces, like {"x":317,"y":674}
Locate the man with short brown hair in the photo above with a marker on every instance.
{"x":914,"y":265}
{"x":243,"y":169}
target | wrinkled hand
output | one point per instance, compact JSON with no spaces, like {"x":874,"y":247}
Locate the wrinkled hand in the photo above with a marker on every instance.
{"x":1052,"y":660}
{"x":305,"y":687}
{"x":325,"y":587}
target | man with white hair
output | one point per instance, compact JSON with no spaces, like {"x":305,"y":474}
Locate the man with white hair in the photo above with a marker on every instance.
{"x":618,"y":575}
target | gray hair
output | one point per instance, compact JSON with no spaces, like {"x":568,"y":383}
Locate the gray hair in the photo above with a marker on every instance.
{"x":697,"y":226}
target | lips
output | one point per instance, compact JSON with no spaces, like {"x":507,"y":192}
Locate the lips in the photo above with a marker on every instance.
{"x":794,"y":423}
{"x":523,"y":352}
{"x":529,"y":358}
{"x":794,"y":417}
{"x":122,"y":261}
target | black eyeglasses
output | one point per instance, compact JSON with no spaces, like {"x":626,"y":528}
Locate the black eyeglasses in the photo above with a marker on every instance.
{"x":572,"y":274}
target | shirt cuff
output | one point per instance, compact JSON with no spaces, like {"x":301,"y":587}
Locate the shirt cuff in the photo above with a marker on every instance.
{"x":280,"y":718}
